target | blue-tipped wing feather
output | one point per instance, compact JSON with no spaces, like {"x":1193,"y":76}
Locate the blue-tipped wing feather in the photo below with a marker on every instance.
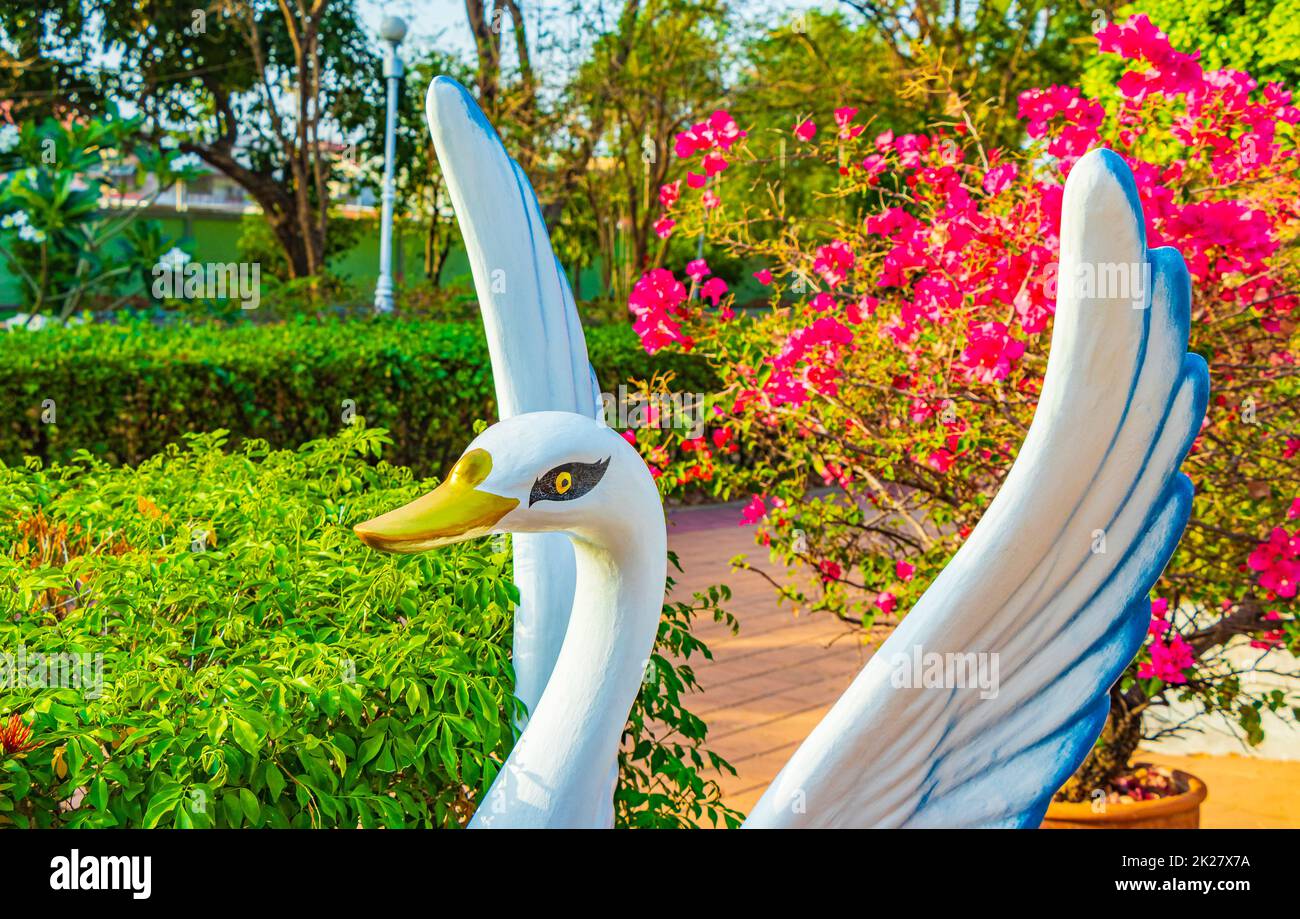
{"x":1052,"y":586}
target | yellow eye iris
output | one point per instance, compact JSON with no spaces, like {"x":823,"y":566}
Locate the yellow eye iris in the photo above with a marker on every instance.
{"x":563,"y":482}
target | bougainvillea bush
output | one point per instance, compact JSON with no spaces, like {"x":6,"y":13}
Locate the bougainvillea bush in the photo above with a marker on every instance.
{"x":890,"y":367}
{"x":201,"y":641}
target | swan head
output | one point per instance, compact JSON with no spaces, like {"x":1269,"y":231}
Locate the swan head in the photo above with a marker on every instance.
{"x":533,"y":473}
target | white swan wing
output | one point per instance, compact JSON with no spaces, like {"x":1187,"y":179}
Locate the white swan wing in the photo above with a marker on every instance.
{"x":535,"y":342}
{"x":1049,"y":595}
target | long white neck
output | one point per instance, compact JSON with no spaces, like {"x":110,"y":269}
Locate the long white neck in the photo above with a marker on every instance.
{"x":561,"y":771}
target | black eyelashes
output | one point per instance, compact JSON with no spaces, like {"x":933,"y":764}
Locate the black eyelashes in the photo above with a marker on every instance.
{"x":567,"y":481}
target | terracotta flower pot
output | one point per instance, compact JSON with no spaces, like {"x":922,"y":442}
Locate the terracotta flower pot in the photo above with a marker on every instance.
{"x":1176,"y":812}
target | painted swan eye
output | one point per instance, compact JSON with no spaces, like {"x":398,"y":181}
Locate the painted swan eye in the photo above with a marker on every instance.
{"x":567,"y":481}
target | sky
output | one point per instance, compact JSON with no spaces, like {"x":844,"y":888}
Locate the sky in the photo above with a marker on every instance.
{"x":443,"y":22}
{"x":440,"y":22}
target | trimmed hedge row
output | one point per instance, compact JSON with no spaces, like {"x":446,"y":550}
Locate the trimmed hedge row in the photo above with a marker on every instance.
{"x":124,"y":391}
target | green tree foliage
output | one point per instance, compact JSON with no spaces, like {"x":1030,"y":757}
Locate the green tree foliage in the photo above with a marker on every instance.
{"x":971,"y":60}
{"x":250,"y":86}
{"x":1261,"y":37}
{"x":656,"y":68}
{"x":815,"y":61}
{"x":69,"y":252}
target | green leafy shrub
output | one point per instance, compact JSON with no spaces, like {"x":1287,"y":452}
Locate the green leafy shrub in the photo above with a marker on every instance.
{"x":259,"y":666}
{"x":125,"y":391}
{"x":660,"y":782}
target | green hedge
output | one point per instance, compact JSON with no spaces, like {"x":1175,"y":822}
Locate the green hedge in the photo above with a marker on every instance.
{"x":123,"y":392}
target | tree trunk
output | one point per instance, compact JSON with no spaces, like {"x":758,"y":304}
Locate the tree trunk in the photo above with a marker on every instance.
{"x":294,"y":245}
{"x":487,"y":45}
{"x":278,"y":204}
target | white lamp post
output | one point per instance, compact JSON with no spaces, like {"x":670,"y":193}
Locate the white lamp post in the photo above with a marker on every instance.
{"x":392,"y":30}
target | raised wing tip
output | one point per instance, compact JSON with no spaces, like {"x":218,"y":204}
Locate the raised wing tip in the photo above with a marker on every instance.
{"x":448,"y":104}
{"x":1101,"y":188}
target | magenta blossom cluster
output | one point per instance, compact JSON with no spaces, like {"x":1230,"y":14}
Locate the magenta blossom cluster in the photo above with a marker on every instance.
{"x":1170,"y":654}
{"x":656,"y":303}
{"x":1277,"y":561}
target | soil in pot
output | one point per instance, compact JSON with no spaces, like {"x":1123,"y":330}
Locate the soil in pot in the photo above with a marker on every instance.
{"x":1147,"y":797}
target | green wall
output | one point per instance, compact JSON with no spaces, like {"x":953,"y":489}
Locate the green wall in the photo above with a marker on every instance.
{"x":216,"y":238}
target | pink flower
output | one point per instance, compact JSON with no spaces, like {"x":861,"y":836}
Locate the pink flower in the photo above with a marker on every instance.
{"x":695,"y":180}
{"x":885,"y":602}
{"x":697,"y":269}
{"x":808,"y":362}
{"x":940,"y":460}
{"x":1278,"y":562}
{"x":630,"y":436}
{"x":843,"y":117}
{"x":1062,"y":113}
{"x":860,"y":311}
{"x":999,"y":178}
{"x":656,"y":301}
{"x":830,"y":571}
{"x":763,"y":276}
{"x":910,"y":148}
{"x":1294,"y":510}
{"x":1171,"y":72}
{"x":664,"y":227}
{"x":904,"y":570}
{"x":990,"y":351}
{"x":833,"y":262}
{"x":1274,"y":638}
{"x":670,"y":193}
{"x":725,"y":131}
{"x":822,"y":302}
{"x":1170,"y":657}
{"x":805,"y":130}
{"x":824,"y":331}
{"x":1159,"y":611}
{"x":714,"y":163}
{"x":713,"y":290}
{"x":684,"y":145}
{"x":754,"y":511}
{"x":1169,"y":660}
{"x":719,"y":131}
{"x":710,"y":199}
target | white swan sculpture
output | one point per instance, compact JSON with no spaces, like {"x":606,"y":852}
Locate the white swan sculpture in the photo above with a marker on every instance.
{"x":1121,"y":402}
{"x":535,"y":343}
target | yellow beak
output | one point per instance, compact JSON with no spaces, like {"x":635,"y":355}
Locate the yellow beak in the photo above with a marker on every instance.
{"x":453,"y":511}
